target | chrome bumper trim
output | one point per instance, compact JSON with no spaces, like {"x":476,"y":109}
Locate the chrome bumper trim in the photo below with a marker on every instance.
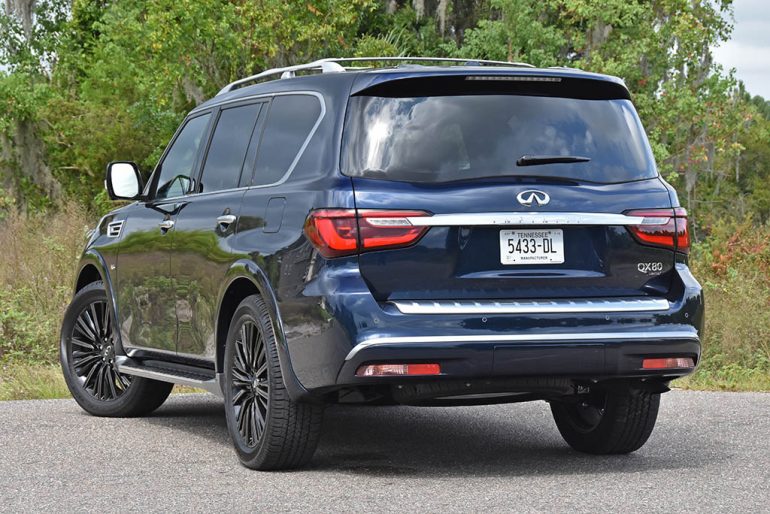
{"x":524,"y":338}
{"x":481,"y":307}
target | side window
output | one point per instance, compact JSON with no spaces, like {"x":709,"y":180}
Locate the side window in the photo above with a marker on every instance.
{"x":176,"y":169}
{"x":227,"y":152}
{"x":288,"y":125}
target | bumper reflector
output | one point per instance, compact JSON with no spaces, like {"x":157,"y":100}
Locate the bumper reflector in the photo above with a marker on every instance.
{"x":668,"y":363}
{"x":391,"y":370}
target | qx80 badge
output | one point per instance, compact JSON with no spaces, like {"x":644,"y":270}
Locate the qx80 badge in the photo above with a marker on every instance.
{"x":650,"y":268}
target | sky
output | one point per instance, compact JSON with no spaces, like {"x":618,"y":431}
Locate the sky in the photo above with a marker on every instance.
{"x":748,"y":51}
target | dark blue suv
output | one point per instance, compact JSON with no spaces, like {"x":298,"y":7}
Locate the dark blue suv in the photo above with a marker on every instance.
{"x":348,"y":232}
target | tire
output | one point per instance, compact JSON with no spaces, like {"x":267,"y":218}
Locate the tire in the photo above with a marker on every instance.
{"x":613,"y":421}
{"x":268,"y":429}
{"x":86,"y":354}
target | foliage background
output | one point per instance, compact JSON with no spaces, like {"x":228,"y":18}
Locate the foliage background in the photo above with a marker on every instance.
{"x":84,"y":82}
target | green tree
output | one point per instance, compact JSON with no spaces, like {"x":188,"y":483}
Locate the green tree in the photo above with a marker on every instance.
{"x":522,"y":30}
{"x":113,"y":79}
{"x":96,"y":80}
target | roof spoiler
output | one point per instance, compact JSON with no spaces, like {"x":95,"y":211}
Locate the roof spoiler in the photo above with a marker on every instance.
{"x":563,"y":83}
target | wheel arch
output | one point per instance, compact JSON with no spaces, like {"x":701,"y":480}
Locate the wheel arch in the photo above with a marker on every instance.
{"x":243,"y":279}
{"x":88,"y":275}
{"x":93,"y":268}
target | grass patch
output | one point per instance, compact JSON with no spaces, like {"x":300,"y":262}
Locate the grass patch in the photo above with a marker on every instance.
{"x":45,"y":382}
{"x":732,"y":378}
{"x":24,"y":382}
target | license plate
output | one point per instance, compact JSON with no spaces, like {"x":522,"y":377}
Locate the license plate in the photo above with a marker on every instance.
{"x":532,"y":246}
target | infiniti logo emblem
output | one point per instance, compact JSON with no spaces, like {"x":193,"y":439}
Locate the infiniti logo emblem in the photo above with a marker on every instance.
{"x":530,"y":196}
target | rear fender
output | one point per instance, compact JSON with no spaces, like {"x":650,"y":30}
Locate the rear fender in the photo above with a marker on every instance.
{"x":250,"y":270}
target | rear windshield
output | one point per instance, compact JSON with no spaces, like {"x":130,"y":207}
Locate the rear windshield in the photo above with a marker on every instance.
{"x":448,"y":138}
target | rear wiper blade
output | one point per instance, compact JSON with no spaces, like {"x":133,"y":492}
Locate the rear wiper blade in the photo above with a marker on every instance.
{"x":534,"y":160}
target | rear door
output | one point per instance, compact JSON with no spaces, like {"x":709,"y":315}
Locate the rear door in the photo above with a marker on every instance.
{"x":525,"y":196}
{"x":274,"y":206}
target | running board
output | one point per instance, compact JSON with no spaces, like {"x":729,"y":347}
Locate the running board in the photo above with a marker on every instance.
{"x":168,"y":372}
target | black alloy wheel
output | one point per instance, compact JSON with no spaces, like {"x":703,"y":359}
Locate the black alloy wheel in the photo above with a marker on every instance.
{"x":268,"y":428}
{"x":87,"y":352}
{"x":93,"y":353}
{"x":250,"y":384}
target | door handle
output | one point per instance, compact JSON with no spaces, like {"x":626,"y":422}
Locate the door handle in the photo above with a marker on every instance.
{"x":166,"y":224}
{"x":226,"y":220}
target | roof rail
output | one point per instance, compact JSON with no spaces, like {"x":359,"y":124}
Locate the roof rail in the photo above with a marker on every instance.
{"x":332,"y":65}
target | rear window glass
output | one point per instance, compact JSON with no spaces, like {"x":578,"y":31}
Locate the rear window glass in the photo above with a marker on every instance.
{"x":228,"y":148}
{"x":448,"y":138}
{"x":289,"y":123}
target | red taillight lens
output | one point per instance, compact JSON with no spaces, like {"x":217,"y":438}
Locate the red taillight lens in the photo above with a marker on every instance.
{"x":338,"y":232}
{"x":396,"y":370}
{"x":662,"y":227}
{"x":682,"y":230}
{"x":668,"y":363}
{"x":334,"y":232}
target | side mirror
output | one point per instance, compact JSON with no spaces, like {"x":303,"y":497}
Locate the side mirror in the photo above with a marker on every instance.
{"x":123,"y":181}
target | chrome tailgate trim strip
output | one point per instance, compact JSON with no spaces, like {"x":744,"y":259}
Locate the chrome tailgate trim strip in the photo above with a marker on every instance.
{"x":530,"y":218}
{"x":532,"y":306}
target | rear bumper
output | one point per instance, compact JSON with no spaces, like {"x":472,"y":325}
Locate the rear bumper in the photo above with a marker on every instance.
{"x":586,"y":345}
{"x":594,"y":355}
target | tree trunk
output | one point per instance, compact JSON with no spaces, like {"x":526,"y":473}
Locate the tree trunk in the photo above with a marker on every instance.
{"x":24,"y":10}
{"x":22,"y":155}
{"x":419,"y":8}
{"x":441,"y":14}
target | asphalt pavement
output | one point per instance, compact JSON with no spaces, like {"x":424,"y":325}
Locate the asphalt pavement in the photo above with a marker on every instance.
{"x":709,"y":452}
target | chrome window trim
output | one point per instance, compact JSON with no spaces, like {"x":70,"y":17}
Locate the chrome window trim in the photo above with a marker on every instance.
{"x":522,"y":338}
{"x":261,"y":95}
{"x":236,"y":100}
{"x":531,"y":218}
{"x":481,"y":307}
{"x":305,"y":144}
{"x":297,"y":157}
{"x":192,"y":196}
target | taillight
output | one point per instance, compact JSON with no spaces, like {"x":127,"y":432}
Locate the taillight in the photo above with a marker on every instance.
{"x":338,"y":232}
{"x":662,"y":227}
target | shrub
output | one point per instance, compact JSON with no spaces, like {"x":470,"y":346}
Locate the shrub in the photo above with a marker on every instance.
{"x":733,"y":265}
{"x":40,"y":254}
